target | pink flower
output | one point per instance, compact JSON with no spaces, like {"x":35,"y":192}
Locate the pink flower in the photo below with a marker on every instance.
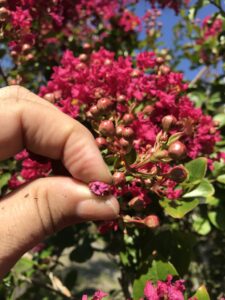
{"x":150,"y":291}
{"x":99,"y":188}
{"x":99,"y":295}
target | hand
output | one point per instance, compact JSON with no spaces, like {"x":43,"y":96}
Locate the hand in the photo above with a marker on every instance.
{"x":46,"y":205}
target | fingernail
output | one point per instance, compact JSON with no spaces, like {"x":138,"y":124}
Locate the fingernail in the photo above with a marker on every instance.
{"x":104,"y":208}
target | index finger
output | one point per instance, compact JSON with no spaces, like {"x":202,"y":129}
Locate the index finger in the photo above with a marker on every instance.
{"x":28,"y":121}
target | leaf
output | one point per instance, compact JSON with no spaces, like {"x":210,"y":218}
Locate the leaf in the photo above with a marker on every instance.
{"x":221,"y":178}
{"x":217,"y":218}
{"x":131,"y":156}
{"x":196,"y":168}
{"x":201,"y":225}
{"x":158,"y":271}
{"x":221,"y":119}
{"x":204,"y":189}
{"x":202,"y":294}
{"x":178,"y":208}
{"x":82,"y":252}
{"x":174,"y":138}
{"x":4,"y":178}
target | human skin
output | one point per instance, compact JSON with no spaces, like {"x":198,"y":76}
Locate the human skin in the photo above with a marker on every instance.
{"x":44,"y":206}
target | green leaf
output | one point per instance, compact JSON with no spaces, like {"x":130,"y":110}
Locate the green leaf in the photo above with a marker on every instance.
{"x":217,"y":218}
{"x":201,"y":225}
{"x":173,"y":138}
{"x":221,"y":119}
{"x":221,"y":178}
{"x":159,"y":270}
{"x":204,"y":189}
{"x":82,"y":252}
{"x":178,"y":208}
{"x":202,"y":294}
{"x":4,"y":178}
{"x":131,"y":156}
{"x":196,"y":168}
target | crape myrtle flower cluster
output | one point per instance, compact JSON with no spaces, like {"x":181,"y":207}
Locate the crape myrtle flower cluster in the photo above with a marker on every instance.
{"x":30,"y":25}
{"x":144,"y":125}
{"x":174,"y":4}
{"x":169,"y":290}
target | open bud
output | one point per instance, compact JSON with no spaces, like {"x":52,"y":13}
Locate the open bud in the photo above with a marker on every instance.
{"x":148,"y":110}
{"x":119,"y":130}
{"x":101,"y":142}
{"x":104,"y":104}
{"x":177,"y":150}
{"x":119,"y":178}
{"x":107,"y":128}
{"x":128,"y":119}
{"x":151,"y":221}
{"x":178,"y":174}
{"x":168,"y":121}
{"x":128,"y":133}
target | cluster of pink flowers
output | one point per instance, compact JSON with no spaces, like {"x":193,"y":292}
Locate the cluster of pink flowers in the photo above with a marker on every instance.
{"x":135,"y":108}
{"x":211,"y":26}
{"x":33,"y":24}
{"x":174,"y":4}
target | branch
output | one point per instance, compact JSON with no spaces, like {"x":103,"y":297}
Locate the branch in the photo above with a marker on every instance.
{"x":218,"y":6}
{"x":198,"y":76}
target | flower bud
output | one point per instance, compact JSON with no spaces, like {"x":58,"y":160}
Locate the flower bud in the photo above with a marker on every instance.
{"x":86,"y":46}
{"x":119,"y":130}
{"x":80,"y":66}
{"x":128,"y":133}
{"x":107,"y":62}
{"x":128,"y":119}
{"x":178,"y":174}
{"x":151,"y":221}
{"x":168,"y":121}
{"x":119,"y":178}
{"x":14,"y":53}
{"x":121,"y":98}
{"x":148,"y":110}
{"x":124,"y":143}
{"x":104,"y":104}
{"x":165,"y":69}
{"x":94,"y":110}
{"x":101,"y":142}
{"x":83,"y":57}
{"x":49,"y":97}
{"x":177,"y":150}
{"x":26,"y":48}
{"x":159,"y":60}
{"x":135,"y":73}
{"x":107,"y":128}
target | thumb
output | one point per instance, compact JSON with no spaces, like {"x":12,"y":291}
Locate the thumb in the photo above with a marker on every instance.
{"x":43,"y":207}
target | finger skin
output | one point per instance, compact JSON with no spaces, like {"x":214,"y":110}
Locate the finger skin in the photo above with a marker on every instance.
{"x":43,"y":207}
{"x":47,"y":205}
{"x":31,"y":122}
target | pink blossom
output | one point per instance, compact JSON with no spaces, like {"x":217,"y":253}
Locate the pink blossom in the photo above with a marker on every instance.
{"x":99,"y":188}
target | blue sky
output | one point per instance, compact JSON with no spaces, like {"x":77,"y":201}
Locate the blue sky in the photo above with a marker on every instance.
{"x":169,"y":19}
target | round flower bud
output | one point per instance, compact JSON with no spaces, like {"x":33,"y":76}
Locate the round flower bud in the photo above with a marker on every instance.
{"x":80,"y":66}
{"x":121,"y":98}
{"x":89,"y":114}
{"x":128,"y":119}
{"x":151,"y":221}
{"x":14,"y":53}
{"x":135,"y":73}
{"x":86,"y":46}
{"x":104,"y":104}
{"x":165,"y":69}
{"x":159,"y":60}
{"x":94,"y":110}
{"x":148,"y":110}
{"x":119,"y":130}
{"x":26,"y":48}
{"x":124,"y":143}
{"x":49,"y":97}
{"x":128,"y":133}
{"x":101,"y":142}
{"x":107,"y":128}
{"x":178,"y":174}
{"x":177,"y":150}
{"x":168,"y":121}
{"x":107,"y":62}
{"x":83,"y":57}
{"x":119,"y":178}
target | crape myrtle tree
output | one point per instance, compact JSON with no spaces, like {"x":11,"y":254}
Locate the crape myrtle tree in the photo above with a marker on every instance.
{"x":161,"y":136}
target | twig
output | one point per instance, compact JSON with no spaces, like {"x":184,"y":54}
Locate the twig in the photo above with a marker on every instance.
{"x":3,"y":75}
{"x":218,"y":6}
{"x":198,"y":76}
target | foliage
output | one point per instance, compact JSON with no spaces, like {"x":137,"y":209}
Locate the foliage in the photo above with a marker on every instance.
{"x":162,"y":138}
